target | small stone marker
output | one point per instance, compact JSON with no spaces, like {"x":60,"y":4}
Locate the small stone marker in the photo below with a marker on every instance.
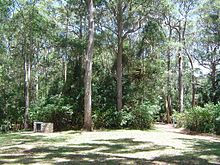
{"x":43,"y":127}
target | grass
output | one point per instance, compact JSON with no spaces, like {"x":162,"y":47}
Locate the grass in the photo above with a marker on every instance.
{"x":108,"y":147}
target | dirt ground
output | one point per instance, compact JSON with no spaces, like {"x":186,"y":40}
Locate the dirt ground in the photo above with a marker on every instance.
{"x":161,"y":145}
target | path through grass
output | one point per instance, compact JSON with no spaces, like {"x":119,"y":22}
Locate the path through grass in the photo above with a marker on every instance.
{"x":164,"y":145}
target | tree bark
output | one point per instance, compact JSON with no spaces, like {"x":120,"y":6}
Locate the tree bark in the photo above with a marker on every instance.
{"x":37,"y":86}
{"x":170,"y":105}
{"x":181,"y":33}
{"x":88,"y":70}
{"x":119,"y":55}
{"x":27,"y":74}
{"x":66,"y":46}
{"x":169,"y":101}
{"x":213,"y":81}
{"x":180,"y":58}
{"x":27,"y":67}
{"x":193,"y":102}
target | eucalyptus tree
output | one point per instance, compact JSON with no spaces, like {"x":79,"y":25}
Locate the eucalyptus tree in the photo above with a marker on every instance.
{"x":168,"y":96}
{"x":19,"y":46}
{"x":28,"y":32}
{"x":121,"y":19}
{"x":70,"y":47}
{"x":179,"y":22}
{"x":208,"y":42}
{"x":88,"y":68}
{"x":71,"y":29}
{"x":4,"y":16}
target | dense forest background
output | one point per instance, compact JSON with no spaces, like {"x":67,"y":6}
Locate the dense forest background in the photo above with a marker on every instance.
{"x":153,"y":60}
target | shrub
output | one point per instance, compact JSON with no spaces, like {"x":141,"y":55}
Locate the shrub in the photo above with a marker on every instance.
{"x":216,"y":113}
{"x":126,"y":117}
{"x":140,"y":117}
{"x":217,"y":125}
{"x":179,"y":119}
{"x":53,"y":110}
{"x":143,"y":115}
{"x":201,"y":119}
{"x":5,"y":126}
{"x":108,"y":119}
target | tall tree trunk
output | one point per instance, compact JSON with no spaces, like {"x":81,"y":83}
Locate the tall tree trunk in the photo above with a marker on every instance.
{"x":180,"y":81}
{"x":193,"y":79}
{"x":27,"y":74}
{"x":27,"y":68}
{"x":88,"y":70}
{"x":193,"y":89}
{"x":119,"y":55}
{"x":26,"y":82}
{"x":168,"y":98}
{"x":37,"y":86}
{"x":213,"y":81}
{"x":66,"y":46}
{"x":65,"y":70}
{"x":181,"y":36}
{"x":169,"y":105}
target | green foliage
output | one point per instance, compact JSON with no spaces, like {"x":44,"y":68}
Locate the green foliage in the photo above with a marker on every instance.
{"x":144,"y":115}
{"x":106,"y":119}
{"x":53,"y":110}
{"x":139,"y":117}
{"x":179,"y":119}
{"x":217,"y":125}
{"x":5,"y":126}
{"x":54,"y":34}
{"x":200,"y":119}
{"x":126,"y":118}
{"x":153,"y":32}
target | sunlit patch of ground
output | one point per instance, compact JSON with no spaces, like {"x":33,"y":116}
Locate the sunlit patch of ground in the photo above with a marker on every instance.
{"x":164,"y":145}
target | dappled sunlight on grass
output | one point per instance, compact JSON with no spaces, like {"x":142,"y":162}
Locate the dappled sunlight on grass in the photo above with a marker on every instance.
{"x":107,"y":147}
{"x":204,"y":149}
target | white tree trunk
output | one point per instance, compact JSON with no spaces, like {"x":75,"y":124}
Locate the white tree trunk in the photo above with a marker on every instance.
{"x":88,"y":70}
{"x":119,"y":56}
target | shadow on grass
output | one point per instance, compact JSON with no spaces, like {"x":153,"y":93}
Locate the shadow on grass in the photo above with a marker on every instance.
{"x":112,"y":151}
{"x":204,"y":153}
{"x":127,"y":145}
{"x":77,"y":159}
{"x":11,"y":150}
{"x":204,"y":148}
{"x":186,"y":159}
{"x":17,"y":138}
{"x":11,"y":139}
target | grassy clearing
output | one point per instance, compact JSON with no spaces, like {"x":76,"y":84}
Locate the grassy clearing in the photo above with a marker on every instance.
{"x":108,"y":147}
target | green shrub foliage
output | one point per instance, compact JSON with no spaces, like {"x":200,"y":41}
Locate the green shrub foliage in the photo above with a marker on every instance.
{"x":5,"y":126}
{"x":140,"y":117}
{"x":54,"y":110}
{"x":200,"y":119}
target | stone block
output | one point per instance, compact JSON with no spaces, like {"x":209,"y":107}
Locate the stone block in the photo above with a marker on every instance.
{"x":43,"y":127}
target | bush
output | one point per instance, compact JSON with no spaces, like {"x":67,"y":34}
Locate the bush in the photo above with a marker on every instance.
{"x":5,"y":126}
{"x":179,"y":119}
{"x":201,"y":119}
{"x":53,"y":110}
{"x":143,"y":116}
{"x":107,"y":119}
{"x":126,"y":117}
{"x":140,"y":117}
{"x":217,"y":126}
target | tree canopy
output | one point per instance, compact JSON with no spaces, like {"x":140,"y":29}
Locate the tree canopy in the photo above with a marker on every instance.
{"x":107,"y":64}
